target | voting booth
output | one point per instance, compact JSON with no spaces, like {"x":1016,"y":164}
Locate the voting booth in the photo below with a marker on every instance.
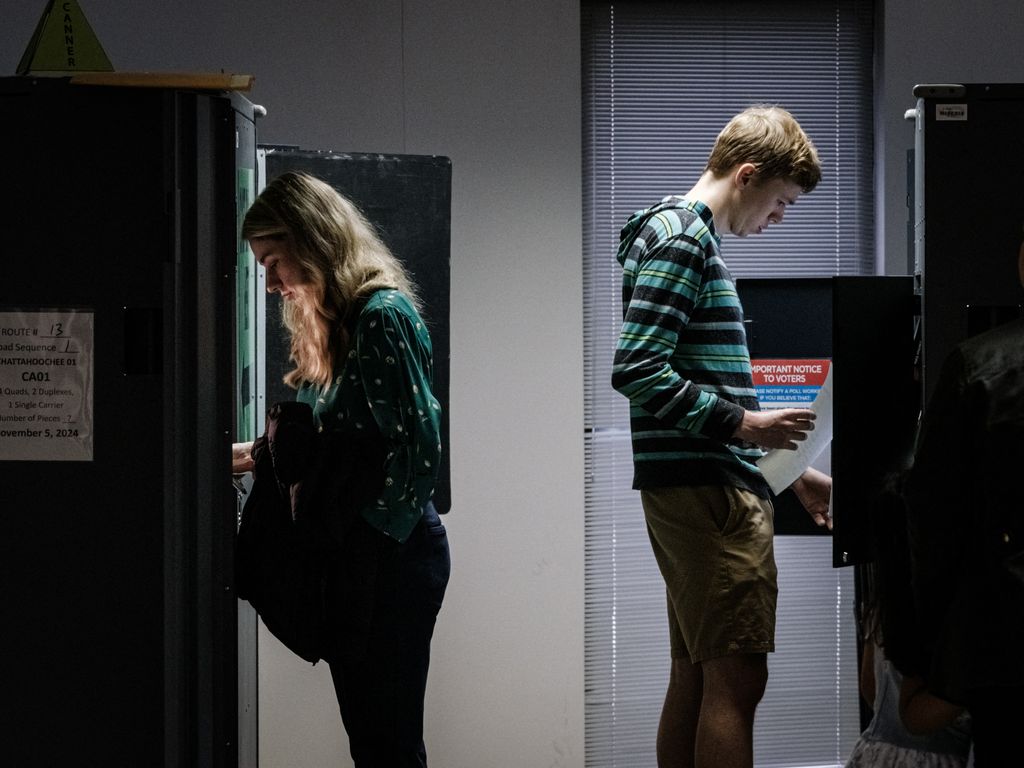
{"x":859,"y":331}
{"x":125,"y":367}
{"x":884,"y":338}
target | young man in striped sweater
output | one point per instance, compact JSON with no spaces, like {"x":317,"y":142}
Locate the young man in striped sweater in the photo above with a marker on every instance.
{"x":697,"y":431}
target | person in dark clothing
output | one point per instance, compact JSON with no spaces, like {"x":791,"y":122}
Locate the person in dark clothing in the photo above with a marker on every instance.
{"x":966,"y":531}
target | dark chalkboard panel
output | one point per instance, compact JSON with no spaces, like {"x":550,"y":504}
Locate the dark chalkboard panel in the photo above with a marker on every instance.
{"x":408,"y":199}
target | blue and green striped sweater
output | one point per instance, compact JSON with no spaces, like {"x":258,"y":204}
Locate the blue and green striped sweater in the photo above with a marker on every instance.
{"x":682,"y":357}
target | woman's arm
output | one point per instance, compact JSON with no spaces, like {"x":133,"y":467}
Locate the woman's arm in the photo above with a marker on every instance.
{"x":394,"y":351}
{"x":921,"y":710}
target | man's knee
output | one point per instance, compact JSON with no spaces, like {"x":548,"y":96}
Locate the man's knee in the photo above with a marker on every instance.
{"x":739,"y":680}
{"x":684,"y":673}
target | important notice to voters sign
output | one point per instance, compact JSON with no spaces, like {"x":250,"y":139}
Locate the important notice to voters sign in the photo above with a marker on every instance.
{"x":788,"y":383}
{"x":795,"y":384}
{"x":46,"y":379}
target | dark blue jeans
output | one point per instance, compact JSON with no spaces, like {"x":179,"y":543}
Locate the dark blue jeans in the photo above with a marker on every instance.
{"x":383,"y":600}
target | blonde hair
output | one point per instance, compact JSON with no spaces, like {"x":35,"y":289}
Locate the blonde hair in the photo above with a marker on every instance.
{"x":770,"y":138}
{"x":340,"y":254}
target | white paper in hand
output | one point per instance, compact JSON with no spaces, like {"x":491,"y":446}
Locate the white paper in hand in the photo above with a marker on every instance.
{"x":780,"y":467}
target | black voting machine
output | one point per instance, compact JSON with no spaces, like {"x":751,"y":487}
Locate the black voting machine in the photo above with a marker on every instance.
{"x":120,"y":643}
{"x":968,"y":213}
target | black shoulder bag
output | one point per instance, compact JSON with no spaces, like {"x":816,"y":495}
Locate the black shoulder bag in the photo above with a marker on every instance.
{"x":308,"y":489}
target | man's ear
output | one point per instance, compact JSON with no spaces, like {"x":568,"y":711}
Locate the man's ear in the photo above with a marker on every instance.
{"x":744,"y":174}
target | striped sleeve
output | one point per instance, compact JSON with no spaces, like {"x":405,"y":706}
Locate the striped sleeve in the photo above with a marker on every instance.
{"x":660,"y":289}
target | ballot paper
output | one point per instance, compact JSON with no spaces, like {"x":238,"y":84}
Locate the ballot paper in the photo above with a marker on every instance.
{"x":781,"y":467}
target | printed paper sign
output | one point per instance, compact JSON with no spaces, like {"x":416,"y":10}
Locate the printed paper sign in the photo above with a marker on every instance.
{"x":788,"y":383}
{"x":796,"y":384}
{"x":46,"y":385}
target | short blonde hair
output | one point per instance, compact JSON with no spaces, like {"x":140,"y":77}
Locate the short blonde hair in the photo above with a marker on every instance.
{"x":769,"y":137}
{"x":339,"y":252}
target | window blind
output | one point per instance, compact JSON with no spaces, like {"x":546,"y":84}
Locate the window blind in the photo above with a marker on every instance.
{"x":660,"y":79}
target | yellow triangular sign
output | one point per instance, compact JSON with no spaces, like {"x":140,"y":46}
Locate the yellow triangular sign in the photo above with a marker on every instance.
{"x":63,"y":42}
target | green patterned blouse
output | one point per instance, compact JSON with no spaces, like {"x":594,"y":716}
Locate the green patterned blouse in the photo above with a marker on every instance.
{"x":386,"y":380}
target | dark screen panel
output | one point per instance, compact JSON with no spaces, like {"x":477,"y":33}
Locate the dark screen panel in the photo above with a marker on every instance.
{"x":408,"y":199}
{"x":876,"y":402}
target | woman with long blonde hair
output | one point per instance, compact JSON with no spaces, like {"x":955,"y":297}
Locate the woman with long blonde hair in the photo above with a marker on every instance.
{"x":363,"y":363}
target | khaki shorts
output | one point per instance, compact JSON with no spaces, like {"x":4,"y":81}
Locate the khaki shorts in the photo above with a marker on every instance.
{"x":714,"y":546}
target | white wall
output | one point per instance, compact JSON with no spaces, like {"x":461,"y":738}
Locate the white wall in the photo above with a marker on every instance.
{"x":494,"y":86}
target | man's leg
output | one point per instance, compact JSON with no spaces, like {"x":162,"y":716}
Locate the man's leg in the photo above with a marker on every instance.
{"x":713,"y":545}
{"x":677,"y":730}
{"x":733,"y":686}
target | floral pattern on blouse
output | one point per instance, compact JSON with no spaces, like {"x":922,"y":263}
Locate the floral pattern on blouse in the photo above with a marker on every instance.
{"x":386,"y":381}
